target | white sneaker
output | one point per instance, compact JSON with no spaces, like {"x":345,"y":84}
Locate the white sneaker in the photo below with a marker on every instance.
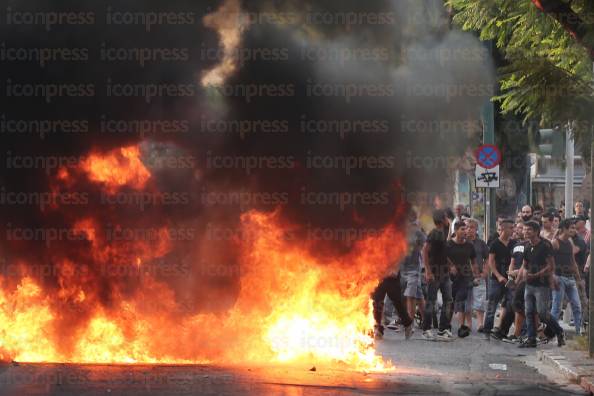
{"x":445,"y":335}
{"x":393,"y":326}
{"x":428,"y":335}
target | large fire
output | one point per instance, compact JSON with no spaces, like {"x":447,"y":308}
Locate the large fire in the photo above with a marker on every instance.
{"x":292,"y":307}
{"x":118,"y":168}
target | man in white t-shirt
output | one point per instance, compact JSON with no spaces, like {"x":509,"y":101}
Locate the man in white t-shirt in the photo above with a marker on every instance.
{"x":458,"y":212}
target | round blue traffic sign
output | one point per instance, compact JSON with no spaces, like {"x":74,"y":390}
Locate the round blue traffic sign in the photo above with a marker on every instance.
{"x":488,"y":156}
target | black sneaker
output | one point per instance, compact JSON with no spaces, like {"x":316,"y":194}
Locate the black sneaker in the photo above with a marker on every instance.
{"x":480,"y":329}
{"x":463,"y":331}
{"x":529,"y":343}
{"x":561,"y":339}
{"x":497,"y":335}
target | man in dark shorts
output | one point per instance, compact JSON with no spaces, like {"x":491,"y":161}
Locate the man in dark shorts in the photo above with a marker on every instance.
{"x":437,"y":275}
{"x":567,"y":274}
{"x":462,"y":260}
{"x":500,"y":252}
{"x":538,"y":264}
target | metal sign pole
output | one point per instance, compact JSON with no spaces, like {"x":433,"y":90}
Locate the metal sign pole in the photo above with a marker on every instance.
{"x":489,"y":138}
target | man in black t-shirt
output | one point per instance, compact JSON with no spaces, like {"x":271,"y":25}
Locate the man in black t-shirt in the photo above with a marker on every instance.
{"x":580,"y":251}
{"x":500,"y":253}
{"x":567,"y":274}
{"x":462,"y":260}
{"x":538,"y":264}
{"x":437,"y":275}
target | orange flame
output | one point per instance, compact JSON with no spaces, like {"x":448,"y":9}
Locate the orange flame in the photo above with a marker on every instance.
{"x":292,"y":308}
{"x":119,"y":167}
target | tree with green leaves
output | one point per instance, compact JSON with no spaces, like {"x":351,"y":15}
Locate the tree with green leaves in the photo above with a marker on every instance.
{"x":548,"y":48}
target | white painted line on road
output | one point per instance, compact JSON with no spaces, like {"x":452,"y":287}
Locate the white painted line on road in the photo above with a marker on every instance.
{"x":497,"y":366}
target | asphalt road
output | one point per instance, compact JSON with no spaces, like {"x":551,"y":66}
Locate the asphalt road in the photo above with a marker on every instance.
{"x":460,"y":367}
{"x":473,"y":366}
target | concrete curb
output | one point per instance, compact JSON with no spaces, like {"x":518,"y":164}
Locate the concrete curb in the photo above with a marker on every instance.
{"x":577,"y":368}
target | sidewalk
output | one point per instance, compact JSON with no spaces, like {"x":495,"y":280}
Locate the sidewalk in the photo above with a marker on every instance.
{"x":574,"y":365}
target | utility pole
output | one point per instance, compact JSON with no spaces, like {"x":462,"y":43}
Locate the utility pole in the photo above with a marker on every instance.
{"x":591,"y":272}
{"x":569,"y":165}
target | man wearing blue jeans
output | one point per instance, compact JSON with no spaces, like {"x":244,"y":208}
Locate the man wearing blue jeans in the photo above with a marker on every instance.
{"x":567,"y":273}
{"x":500,"y":254}
{"x":538,"y":266}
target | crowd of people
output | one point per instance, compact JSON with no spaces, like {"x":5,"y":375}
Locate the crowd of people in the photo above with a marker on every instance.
{"x":515,"y":286}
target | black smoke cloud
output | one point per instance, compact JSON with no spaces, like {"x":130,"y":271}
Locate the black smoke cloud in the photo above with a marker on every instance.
{"x":393,"y":64}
